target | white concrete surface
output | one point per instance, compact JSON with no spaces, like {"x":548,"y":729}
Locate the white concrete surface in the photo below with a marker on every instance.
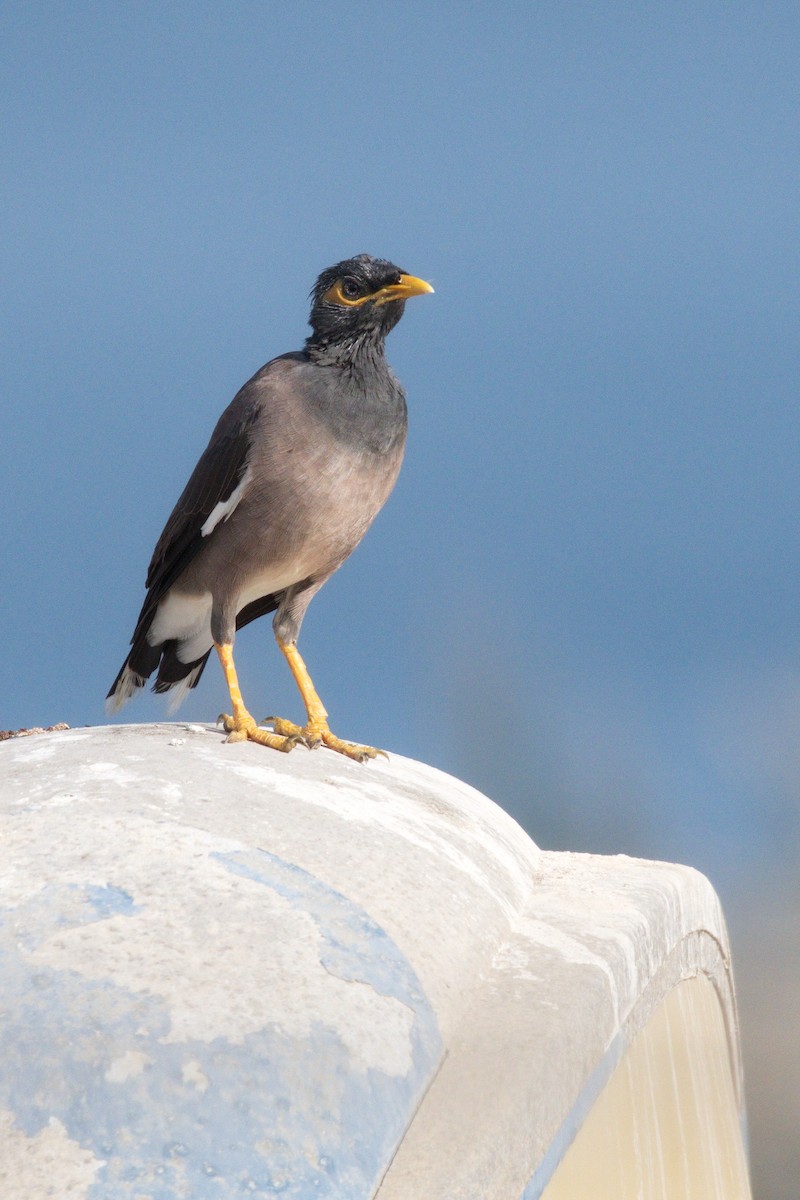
{"x":228,"y":972}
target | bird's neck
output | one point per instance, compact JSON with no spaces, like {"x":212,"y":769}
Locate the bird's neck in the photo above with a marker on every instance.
{"x":357,"y":394}
{"x":363,"y":352}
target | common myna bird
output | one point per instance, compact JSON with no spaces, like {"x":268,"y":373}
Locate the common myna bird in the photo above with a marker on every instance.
{"x":297,"y":468}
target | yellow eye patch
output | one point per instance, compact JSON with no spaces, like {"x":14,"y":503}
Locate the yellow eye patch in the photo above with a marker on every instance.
{"x":407,"y":285}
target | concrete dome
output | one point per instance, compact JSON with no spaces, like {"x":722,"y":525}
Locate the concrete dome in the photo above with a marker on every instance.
{"x":227,"y":972}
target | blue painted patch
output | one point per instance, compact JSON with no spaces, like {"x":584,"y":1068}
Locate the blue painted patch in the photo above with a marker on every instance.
{"x":110,"y":901}
{"x":355,"y":946}
{"x":60,"y":906}
{"x":281,"y":1116}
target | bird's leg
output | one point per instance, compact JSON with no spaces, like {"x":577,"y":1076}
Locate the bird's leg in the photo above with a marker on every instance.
{"x":316,"y":730}
{"x":241,"y":726}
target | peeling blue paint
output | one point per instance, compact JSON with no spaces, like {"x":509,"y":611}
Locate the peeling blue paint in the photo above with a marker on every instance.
{"x":110,"y":901}
{"x":66,"y":906}
{"x":356,"y":947}
{"x":274,"y":1116}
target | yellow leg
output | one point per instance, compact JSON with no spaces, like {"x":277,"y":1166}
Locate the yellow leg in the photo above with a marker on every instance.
{"x":241,"y":726}
{"x":316,"y":731}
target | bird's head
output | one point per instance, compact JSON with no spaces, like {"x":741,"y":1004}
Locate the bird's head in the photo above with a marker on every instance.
{"x":359,"y":300}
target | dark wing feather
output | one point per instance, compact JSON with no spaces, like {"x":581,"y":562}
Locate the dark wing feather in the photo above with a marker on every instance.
{"x":216,"y":476}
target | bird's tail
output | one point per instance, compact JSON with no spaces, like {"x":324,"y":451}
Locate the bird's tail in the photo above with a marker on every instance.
{"x":174,"y":676}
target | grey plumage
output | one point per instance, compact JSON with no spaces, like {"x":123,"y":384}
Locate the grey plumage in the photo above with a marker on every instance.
{"x":296,"y":470}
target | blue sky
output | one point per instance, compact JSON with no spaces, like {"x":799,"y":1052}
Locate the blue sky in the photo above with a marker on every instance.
{"x":582,"y":596}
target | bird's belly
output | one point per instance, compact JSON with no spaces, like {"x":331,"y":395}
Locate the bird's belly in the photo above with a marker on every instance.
{"x":275,"y":538}
{"x":309,"y":534}
{"x":275,"y":578}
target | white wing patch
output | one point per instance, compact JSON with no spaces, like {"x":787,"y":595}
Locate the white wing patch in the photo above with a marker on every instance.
{"x":221,"y":512}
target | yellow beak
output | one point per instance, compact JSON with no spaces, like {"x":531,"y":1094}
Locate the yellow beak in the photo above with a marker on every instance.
{"x":408,"y":285}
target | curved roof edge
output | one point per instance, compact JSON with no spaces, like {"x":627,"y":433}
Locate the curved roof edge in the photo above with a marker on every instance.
{"x":340,"y":980}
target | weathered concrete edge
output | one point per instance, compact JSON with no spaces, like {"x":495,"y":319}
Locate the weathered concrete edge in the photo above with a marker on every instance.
{"x":698,"y":953}
{"x":543,"y":1046}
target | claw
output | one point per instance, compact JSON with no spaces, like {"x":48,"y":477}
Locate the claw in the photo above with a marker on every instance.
{"x":243,"y":728}
{"x":351,"y":749}
{"x":316,"y":734}
{"x":287,"y":728}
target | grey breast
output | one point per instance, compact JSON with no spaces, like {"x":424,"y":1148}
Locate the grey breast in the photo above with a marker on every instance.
{"x":327,"y":446}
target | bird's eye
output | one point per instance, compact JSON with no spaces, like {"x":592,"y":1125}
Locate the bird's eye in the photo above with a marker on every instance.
{"x":351,"y":288}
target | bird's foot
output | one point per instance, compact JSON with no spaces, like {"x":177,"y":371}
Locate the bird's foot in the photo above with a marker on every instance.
{"x":244,"y":729}
{"x":317,"y":733}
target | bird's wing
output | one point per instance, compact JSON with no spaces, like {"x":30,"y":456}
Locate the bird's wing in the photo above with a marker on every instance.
{"x":214,"y":488}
